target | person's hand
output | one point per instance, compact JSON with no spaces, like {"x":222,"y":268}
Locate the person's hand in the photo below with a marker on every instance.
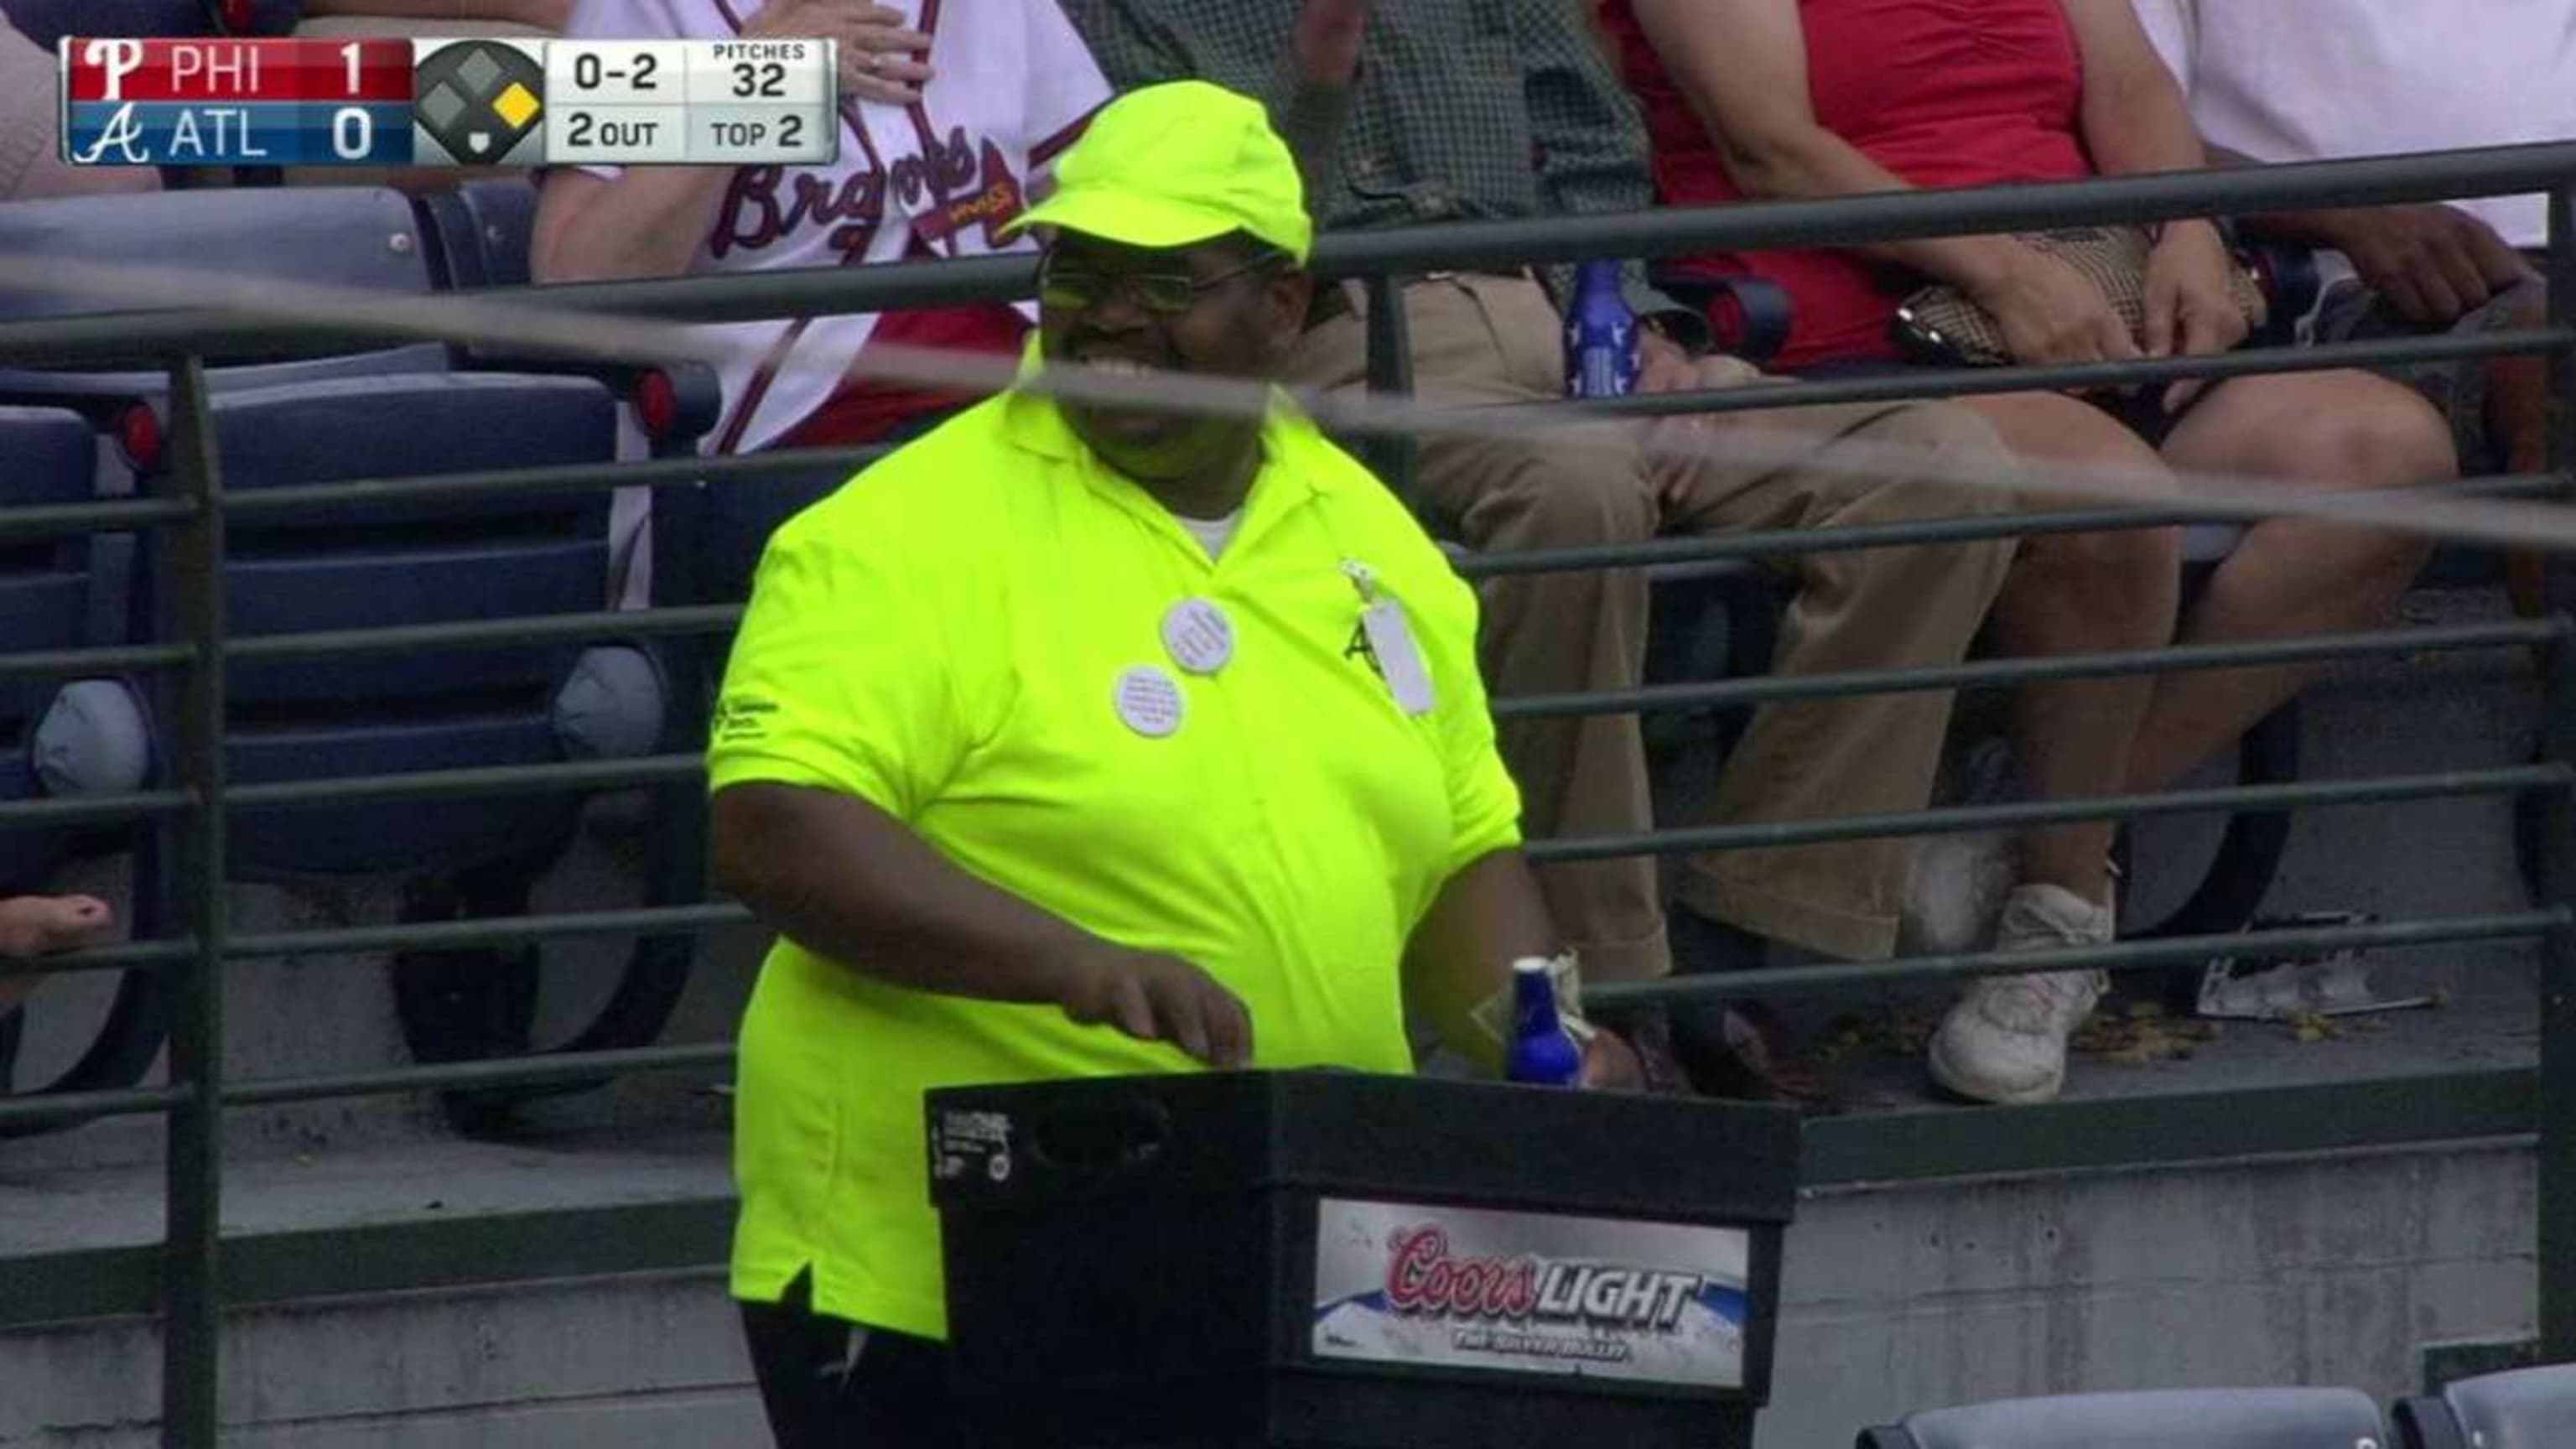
{"x":2051,"y":314}
{"x":1662,"y":366}
{"x":1610,"y":1065}
{"x":2189,"y":307}
{"x":880,"y":59}
{"x":1326,"y":41}
{"x":1155,"y":997}
{"x":41,"y":925}
{"x":2434,"y":264}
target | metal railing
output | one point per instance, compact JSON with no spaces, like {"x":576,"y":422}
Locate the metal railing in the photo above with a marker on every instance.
{"x":199,"y":801}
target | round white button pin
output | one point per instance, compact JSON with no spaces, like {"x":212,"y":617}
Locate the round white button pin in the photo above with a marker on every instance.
{"x":1199,"y":635}
{"x":1149,"y":701}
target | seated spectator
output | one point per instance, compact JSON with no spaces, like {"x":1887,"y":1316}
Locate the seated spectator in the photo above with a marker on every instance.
{"x":1430,"y":137}
{"x":327,"y":18}
{"x":937,"y":180}
{"x":31,"y":119}
{"x":2320,"y":80}
{"x":42,"y":926}
{"x":1807,"y":98}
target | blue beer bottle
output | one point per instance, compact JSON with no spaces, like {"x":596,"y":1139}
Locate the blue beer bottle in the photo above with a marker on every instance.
{"x":1542,"y":1051}
{"x":1600,"y":335}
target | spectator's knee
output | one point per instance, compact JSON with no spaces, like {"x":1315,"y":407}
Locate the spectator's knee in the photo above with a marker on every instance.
{"x":2393,"y":440}
{"x":1564,"y":495}
{"x":1944,"y":461}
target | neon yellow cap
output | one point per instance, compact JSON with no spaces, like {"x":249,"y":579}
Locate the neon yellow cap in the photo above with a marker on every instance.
{"x":1176,"y":164}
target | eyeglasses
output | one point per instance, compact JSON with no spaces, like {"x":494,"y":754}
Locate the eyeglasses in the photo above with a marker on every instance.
{"x":1075,"y":287}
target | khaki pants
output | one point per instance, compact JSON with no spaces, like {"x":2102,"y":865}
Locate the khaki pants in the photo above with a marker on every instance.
{"x":1491,"y":339}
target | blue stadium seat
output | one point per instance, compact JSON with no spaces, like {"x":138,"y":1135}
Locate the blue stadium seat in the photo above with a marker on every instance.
{"x":48,"y":21}
{"x":2163,"y":1419}
{"x":2533,"y":1408}
{"x":64,"y":736}
{"x":396,"y":411}
{"x":479,"y":232}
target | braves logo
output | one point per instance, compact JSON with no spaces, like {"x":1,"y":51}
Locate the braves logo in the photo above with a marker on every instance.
{"x":971,"y":184}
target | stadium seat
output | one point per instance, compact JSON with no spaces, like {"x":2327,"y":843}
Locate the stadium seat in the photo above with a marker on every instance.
{"x":48,"y":21}
{"x":479,"y":232}
{"x":69,"y":737}
{"x":2533,"y":1408}
{"x":398,"y":411}
{"x":2162,"y":1419}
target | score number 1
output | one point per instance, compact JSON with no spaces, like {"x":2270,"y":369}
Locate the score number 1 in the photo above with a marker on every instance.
{"x":353,"y":131}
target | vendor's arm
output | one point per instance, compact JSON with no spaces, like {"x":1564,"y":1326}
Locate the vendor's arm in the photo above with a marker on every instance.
{"x":1488,"y":912}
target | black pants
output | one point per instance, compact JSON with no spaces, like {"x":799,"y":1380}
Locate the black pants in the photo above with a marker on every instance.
{"x":830,"y":1384}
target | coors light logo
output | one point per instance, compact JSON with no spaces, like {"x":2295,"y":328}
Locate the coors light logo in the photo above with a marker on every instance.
{"x":1423,"y":1277}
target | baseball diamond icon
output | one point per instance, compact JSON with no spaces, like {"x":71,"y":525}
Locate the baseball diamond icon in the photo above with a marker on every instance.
{"x":477,"y":103}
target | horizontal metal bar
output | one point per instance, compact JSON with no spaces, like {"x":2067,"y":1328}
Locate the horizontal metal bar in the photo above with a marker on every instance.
{"x":2233,"y":799}
{"x":1670,"y":231}
{"x":568,"y":478}
{"x":1992,"y":673}
{"x":490,"y":931}
{"x":1831,"y":978}
{"x":104,"y":659}
{"x":2095,"y":1133}
{"x":526,"y":629}
{"x":1787,"y":542}
{"x":474,"y":780}
{"x":93,"y":809}
{"x":464,"y":1076}
{"x":1951,"y":382}
{"x":42,"y":1110}
{"x":125,"y":956}
{"x":1903,"y":215}
{"x":111,"y":515}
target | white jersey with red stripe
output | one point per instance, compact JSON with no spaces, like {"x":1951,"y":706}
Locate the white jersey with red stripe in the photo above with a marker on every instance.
{"x":1013,"y":84}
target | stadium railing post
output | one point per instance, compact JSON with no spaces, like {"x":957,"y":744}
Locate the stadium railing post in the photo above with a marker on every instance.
{"x":2557,"y":845}
{"x":191,"y":1310}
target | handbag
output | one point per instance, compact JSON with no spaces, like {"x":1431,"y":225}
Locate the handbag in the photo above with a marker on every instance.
{"x":1940,"y":323}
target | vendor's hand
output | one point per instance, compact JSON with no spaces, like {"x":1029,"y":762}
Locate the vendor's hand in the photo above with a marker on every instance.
{"x":2050,"y":314}
{"x":1662,"y":366}
{"x":1610,"y":1065}
{"x":2434,"y":264}
{"x":2190,"y":308}
{"x":1327,"y":40}
{"x":1156,"y":997}
{"x":881,"y":60}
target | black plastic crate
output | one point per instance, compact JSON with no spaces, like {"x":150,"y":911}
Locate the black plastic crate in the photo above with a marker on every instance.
{"x":1331,"y":1259}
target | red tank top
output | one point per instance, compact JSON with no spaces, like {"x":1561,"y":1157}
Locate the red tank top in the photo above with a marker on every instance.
{"x":1940,"y":92}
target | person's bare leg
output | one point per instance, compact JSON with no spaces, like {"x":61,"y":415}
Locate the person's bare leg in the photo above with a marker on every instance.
{"x":2290,"y":577}
{"x":41,"y":925}
{"x":2076,"y":594}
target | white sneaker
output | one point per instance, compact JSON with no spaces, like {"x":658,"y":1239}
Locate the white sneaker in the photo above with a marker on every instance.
{"x":2005,"y":1041}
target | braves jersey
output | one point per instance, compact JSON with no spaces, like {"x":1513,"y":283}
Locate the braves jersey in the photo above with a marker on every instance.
{"x":1013,"y":85}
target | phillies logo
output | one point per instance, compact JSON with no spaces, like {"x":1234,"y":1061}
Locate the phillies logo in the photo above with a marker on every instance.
{"x":1423,"y":1277}
{"x":966,"y":188}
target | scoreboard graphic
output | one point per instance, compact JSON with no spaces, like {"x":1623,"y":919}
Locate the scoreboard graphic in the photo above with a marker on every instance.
{"x":449,"y":102}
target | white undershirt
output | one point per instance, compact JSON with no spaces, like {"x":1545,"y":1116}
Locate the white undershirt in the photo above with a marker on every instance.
{"x":1213,"y":534}
{"x":2315,"y":80}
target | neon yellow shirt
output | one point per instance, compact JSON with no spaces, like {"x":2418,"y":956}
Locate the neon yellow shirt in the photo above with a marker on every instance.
{"x":947,"y":637}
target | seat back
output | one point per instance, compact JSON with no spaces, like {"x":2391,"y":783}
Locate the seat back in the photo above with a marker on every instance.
{"x":371,"y":566}
{"x":2271,"y":1418}
{"x":355,"y":237}
{"x":51,"y":597}
{"x":2532,"y":1408}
